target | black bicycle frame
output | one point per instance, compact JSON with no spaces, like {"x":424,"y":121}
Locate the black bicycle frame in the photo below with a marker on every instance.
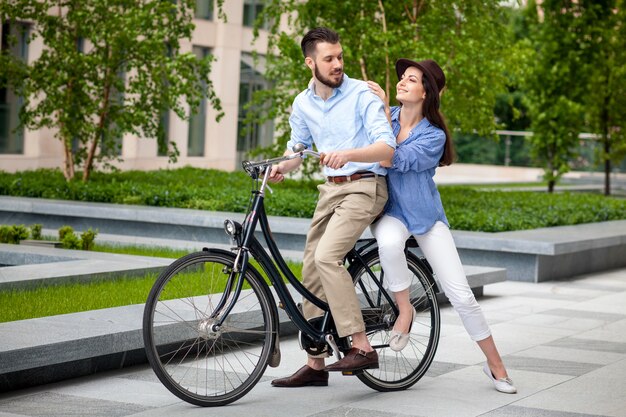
{"x":247,"y":244}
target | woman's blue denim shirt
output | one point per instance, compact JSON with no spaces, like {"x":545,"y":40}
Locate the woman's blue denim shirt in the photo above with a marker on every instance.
{"x":413,"y":195}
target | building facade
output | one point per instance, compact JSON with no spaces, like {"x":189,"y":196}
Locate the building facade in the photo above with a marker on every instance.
{"x":202,"y":141}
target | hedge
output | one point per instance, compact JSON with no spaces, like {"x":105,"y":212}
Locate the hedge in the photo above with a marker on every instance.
{"x":467,"y":208}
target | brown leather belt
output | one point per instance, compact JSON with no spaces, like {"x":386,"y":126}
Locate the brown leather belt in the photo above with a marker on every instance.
{"x":349,"y":178}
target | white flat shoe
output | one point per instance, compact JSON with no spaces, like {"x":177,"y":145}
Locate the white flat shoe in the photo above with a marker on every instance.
{"x":398,"y":340}
{"x":504,"y":385}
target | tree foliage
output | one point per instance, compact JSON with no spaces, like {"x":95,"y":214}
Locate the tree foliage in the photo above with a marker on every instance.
{"x":604,"y":48}
{"x":128,"y":72}
{"x":468,"y":38}
{"x":577,"y":82}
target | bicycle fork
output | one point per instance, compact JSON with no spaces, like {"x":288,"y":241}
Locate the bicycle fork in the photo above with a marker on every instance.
{"x":224,"y":307}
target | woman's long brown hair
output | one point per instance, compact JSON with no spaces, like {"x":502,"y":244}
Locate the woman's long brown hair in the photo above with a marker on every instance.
{"x":430,"y":110}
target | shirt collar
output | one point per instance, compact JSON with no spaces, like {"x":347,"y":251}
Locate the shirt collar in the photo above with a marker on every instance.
{"x":342,"y":88}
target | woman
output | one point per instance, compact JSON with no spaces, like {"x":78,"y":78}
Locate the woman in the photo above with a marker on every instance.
{"x":414,"y":208}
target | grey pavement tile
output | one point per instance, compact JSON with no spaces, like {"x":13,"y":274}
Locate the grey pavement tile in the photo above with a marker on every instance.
{"x":357,"y":412}
{"x":146,"y":375}
{"x":441,"y":368}
{"x":608,"y":317}
{"x":590,"y":285}
{"x":549,"y":366}
{"x":574,"y":325}
{"x":588,"y":344}
{"x":50,"y":404}
{"x":515,"y":411}
{"x":600,"y":392}
{"x":614,"y":332}
{"x":573,"y":355}
{"x":554,"y":296}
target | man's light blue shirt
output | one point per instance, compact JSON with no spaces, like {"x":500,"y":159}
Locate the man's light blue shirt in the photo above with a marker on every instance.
{"x":413,"y":195}
{"x":352,"y":117}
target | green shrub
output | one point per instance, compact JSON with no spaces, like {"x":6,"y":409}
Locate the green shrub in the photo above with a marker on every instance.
{"x":87,"y":239}
{"x":467,"y":208}
{"x":70,"y":241}
{"x":64,"y":231}
{"x":19,"y":232}
{"x":35,"y":231}
{"x":13,"y":233}
{"x":498,"y":211}
{"x":5,"y":231}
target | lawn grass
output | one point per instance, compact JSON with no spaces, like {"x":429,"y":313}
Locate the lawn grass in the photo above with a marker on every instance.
{"x":50,"y":300}
{"x":156,"y":251}
{"x":71,"y":298}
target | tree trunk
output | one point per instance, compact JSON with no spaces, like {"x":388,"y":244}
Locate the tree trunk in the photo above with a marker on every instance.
{"x":93,"y":146}
{"x":551,"y":184}
{"x":362,"y":62}
{"x":68,"y":156}
{"x":387,"y":80}
{"x":68,"y":161}
{"x":606,"y":140}
{"x":607,"y":165}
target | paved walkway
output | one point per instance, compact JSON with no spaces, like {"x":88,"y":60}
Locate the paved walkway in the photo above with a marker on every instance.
{"x":563,"y":341}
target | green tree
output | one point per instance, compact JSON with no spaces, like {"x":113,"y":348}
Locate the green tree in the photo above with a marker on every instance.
{"x":109,"y":67}
{"x":604,"y":48}
{"x":577,"y":82}
{"x":553,"y":85}
{"x":468,"y":38}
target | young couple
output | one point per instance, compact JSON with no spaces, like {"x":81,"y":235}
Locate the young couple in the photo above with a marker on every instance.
{"x":354,"y":131}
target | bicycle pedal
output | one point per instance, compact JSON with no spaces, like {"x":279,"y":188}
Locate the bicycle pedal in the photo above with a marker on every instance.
{"x":351,"y":373}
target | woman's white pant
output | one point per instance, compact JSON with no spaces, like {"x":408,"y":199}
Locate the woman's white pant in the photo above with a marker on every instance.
{"x":438,"y":247}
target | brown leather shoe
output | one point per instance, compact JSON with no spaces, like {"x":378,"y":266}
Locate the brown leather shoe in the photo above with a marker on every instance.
{"x":355,"y":360}
{"x":304,"y":377}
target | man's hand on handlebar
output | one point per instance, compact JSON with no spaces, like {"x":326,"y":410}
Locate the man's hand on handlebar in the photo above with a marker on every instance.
{"x":335,"y":159}
{"x":276,"y":174}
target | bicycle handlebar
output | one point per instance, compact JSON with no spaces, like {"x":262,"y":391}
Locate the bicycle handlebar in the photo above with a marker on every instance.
{"x":254,"y":168}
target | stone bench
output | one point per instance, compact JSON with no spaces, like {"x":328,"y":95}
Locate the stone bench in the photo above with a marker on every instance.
{"x":548,"y":253}
{"x":37,"y":265}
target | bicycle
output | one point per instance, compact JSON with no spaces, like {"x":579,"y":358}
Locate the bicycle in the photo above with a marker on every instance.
{"x":211,"y":322}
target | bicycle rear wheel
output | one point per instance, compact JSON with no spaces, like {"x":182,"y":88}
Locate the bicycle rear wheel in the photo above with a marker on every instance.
{"x":196,"y":362}
{"x":398,"y":370}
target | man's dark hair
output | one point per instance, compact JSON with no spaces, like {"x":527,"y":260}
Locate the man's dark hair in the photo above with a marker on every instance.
{"x":314,"y":36}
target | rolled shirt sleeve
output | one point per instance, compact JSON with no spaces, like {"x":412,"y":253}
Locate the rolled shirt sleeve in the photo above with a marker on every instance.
{"x":300,"y":132}
{"x":422,"y":154}
{"x":374,"y":119}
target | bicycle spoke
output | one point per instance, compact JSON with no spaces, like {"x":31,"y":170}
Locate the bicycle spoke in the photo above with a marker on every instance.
{"x":397,"y":370}
{"x":198,"y":354}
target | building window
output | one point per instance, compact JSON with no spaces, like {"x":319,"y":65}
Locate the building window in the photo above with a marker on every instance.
{"x":204,"y":9}
{"x":251,"y":10}
{"x":251,"y":136}
{"x":197,"y":120}
{"x":12,"y":137}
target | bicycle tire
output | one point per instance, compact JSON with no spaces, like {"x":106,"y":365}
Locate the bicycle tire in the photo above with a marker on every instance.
{"x":398,"y":370}
{"x":194,"y":362}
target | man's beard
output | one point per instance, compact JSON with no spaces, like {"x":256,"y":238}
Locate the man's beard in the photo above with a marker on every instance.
{"x":326,"y":81}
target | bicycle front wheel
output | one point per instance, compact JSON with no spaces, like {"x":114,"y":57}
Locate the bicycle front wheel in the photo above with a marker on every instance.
{"x":397,"y":370}
{"x":198,"y":362}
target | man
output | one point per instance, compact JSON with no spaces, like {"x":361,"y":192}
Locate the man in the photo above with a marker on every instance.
{"x":348,"y":125}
